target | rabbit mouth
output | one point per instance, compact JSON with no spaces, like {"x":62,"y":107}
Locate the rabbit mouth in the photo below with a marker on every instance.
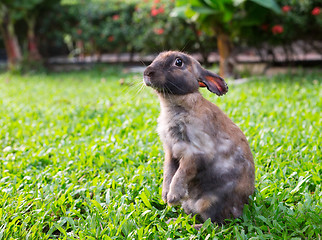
{"x":147,"y":81}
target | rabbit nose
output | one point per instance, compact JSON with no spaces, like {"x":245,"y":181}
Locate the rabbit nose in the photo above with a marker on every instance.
{"x":149,"y":72}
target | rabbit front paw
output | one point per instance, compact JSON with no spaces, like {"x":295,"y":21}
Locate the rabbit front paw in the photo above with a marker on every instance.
{"x":175,"y":196}
{"x":165,"y":193}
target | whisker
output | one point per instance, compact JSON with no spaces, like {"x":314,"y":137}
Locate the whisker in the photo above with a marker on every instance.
{"x":141,"y":88}
{"x":169,"y":90}
{"x":163,"y":91}
{"x":143,"y":63}
{"x":137,"y":86}
{"x":176,"y":85}
{"x":184,"y":47}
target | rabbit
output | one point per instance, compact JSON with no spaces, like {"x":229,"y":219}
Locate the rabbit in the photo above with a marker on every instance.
{"x":208,"y":166}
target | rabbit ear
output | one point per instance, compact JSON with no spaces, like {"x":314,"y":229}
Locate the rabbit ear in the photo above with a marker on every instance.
{"x":212,"y":81}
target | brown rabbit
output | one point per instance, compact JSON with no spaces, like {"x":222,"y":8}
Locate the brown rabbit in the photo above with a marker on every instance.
{"x":208,"y":166}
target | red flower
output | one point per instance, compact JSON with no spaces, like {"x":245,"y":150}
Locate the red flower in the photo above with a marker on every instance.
{"x":199,"y":33}
{"x":79,"y":31}
{"x":158,"y":31}
{"x":316,"y":11}
{"x":110,"y":38}
{"x":286,"y":8}
{"x":161,"y":10}
{"x":156,"y":1}
{"x":154,"y":12}
{"x":116,"y":17}
{"x":277,"y":29}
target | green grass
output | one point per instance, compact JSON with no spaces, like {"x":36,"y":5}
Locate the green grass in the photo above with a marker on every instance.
{"x":80,"y":158}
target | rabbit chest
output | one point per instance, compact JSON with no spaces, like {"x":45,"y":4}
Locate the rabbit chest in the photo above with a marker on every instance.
{"x":183,"y":133}
{"x":187,"y":133}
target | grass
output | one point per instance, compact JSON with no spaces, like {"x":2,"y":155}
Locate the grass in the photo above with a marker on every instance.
{"x":80,"y":158}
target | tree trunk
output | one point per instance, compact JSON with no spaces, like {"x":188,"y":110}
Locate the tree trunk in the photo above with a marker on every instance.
{"x":33,"y":53}
{"x":226,"y":62}
{"x":10,"y":41}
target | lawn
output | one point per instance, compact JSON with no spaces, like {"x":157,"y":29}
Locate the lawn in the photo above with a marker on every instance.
{"x":80,"y":158}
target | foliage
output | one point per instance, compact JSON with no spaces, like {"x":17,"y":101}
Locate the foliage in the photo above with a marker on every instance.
{"x":100,"y":26}
{"x":118,"y":26}
{"x":255,"y":22}
{"x":226,"y":16}
{"x":157,"y":31}
{"x":80,"y":158}
{"x":296,"y":22}
{"x":104,"y":27}
{"x":19,"y":9}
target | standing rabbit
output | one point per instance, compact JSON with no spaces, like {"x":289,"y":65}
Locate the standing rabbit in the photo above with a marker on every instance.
{"x":208,"y":165}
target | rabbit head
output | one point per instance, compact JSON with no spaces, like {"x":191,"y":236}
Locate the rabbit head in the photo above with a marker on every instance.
{"x":176,"y":73}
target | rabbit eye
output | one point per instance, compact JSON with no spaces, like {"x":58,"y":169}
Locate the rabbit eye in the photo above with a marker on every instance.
{"x":178,"y":62}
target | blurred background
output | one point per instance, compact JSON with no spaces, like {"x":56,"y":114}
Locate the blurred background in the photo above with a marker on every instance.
{"x":60,"y":34}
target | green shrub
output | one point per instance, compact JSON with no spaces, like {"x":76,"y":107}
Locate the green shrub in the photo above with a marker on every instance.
{"x":298,"y":20}
{"x":117,"y":26}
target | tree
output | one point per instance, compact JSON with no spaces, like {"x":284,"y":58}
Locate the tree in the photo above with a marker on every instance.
{"x":225,"y":19}
{"x":7,"y":29}
{"x":31,"y":9}
{"x":28,"y":10}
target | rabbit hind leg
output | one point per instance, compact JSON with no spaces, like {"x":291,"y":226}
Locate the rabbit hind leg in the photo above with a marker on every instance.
{"x":204,"y":206}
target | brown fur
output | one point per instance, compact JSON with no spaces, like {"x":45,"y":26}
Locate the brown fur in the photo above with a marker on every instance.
{"x":208,"y":166}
